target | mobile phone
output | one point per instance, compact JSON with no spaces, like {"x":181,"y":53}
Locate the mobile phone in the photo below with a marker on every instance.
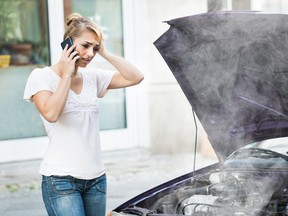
{"x":67,"y":41}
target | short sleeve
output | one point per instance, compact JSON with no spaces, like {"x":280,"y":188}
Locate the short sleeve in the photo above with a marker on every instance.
{"x":37,"y":81}
{"x":103,"y":79}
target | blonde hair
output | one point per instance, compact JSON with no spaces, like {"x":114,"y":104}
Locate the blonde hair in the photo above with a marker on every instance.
{"x":75,"y":24}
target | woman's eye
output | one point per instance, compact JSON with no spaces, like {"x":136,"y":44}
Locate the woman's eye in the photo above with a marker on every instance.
{"x":96,"y":48}
{"x":85,"y":45}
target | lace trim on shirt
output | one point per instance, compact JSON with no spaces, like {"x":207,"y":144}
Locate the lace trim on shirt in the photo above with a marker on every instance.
{"x":86,"y":100}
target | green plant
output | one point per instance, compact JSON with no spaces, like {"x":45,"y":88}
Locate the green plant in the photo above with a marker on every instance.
{"x":13,"y":187}
{"x":10,"y":21}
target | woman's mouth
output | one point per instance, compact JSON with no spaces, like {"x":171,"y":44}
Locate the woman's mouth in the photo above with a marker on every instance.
{"x":86,"y":60}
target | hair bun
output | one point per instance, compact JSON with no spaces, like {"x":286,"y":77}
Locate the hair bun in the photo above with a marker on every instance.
{"x":75,"y":24}
{"x":70,"y":18}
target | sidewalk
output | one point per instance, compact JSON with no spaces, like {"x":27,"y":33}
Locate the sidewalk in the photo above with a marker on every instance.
{"x":129,"y":173}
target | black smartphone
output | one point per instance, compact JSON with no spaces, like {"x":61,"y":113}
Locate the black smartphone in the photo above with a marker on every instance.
{"x":67,"y":41}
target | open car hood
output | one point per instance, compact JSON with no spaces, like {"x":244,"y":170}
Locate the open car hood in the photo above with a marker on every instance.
{"x":233,"y":69}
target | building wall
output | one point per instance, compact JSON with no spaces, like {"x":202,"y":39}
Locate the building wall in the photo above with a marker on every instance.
{"x":171,"y":124}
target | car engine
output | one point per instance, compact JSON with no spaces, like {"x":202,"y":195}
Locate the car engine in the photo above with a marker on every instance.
{"x":251,"y":182}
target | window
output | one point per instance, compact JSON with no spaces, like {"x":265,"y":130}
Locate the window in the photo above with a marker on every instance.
{"x":270,"y":6}
{"x":108,"y":15}
{"x":24,"y":38}
{"x":24,"y":31}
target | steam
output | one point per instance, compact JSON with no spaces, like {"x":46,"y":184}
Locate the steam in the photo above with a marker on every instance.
{"x":243,"y":190}
{"x":233,"y":69}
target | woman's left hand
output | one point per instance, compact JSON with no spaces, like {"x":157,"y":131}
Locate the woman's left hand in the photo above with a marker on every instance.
{"x":127,"y":74}
{"x":101,"y":49}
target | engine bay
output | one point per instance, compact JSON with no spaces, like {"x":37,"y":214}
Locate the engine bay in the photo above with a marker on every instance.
{"x":250,"y":182}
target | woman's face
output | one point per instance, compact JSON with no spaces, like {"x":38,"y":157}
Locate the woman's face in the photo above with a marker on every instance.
{"x":87,"y":46}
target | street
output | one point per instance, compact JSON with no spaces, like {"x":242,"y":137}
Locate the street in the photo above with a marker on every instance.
{"x":129,"y":173}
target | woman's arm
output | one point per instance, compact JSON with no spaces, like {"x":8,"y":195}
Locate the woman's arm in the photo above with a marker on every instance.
{"x":50,"y":105}
{"x":126,"y":75}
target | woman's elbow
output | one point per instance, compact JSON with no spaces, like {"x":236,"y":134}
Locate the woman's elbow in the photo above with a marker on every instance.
{"x":50,"y":118}
{"x":139,"y":79}
{"x":135,"y":81}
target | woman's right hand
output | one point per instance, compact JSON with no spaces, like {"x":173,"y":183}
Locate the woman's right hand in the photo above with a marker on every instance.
{"x":68,"y":61}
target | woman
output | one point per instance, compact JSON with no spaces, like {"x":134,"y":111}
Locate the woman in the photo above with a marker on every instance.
{"x":65,"y":94}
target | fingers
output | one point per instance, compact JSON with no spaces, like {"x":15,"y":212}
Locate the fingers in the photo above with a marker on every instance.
{"x":70,"y":54}
{"x":67,"y":51}
{"x":74,"y":55}
{"x":101,"y":48}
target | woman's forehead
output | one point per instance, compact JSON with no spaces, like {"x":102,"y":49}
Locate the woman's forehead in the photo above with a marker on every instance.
{"x":89,"y":37}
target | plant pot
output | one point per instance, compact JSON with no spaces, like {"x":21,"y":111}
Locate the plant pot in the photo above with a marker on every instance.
{"x":20,"y":53}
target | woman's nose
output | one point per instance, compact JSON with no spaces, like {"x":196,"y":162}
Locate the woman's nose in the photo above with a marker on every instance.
{"x":90,"y":52}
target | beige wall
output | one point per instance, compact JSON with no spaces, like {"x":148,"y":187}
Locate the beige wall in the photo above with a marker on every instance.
{"x":171,"y":124}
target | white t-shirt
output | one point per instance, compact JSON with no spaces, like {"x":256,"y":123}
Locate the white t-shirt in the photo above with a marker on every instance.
{"x":74,"y":142}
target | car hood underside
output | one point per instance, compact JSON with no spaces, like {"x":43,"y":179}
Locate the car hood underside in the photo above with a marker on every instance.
{"x":232,"y":67}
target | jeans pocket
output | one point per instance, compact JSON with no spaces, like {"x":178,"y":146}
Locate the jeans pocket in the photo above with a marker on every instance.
{"x":101,"y":184}
{"x":62,"y":185}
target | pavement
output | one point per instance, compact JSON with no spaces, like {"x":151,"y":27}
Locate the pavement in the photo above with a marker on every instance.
{"x":129,"y":173}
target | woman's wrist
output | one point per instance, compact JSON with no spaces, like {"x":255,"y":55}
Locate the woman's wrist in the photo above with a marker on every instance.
{"x":66,"y":76}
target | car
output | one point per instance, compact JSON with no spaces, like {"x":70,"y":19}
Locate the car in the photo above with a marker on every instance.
{"x":233,"y":69}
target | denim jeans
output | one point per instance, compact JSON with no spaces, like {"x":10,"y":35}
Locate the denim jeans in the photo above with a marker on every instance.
{"x":66,"y":195}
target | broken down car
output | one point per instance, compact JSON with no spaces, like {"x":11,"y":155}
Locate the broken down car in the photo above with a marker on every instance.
{"x":233,"y":70}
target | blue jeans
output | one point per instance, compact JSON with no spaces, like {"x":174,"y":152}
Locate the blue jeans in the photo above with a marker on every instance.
{"x":66,"y":195}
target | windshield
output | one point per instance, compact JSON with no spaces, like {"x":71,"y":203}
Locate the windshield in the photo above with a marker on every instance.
{"x":278,"y":145}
